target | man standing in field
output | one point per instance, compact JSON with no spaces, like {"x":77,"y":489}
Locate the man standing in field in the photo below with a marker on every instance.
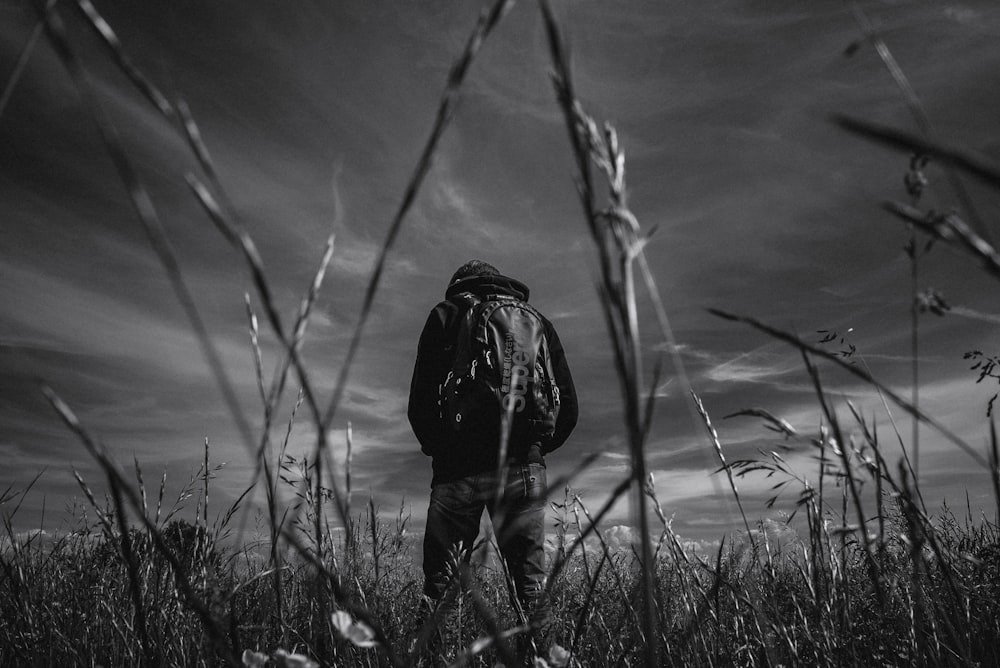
{"x":491,"y":395}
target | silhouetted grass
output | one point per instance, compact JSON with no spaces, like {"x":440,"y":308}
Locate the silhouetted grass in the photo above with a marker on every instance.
{"x":70,"y":601}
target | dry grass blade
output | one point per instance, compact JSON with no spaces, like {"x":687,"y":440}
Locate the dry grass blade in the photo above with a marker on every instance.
{"x":186,"y":124}
{"x":94,"y":448}
{"x":23,"y":58}
{"x":588,"y":144}
{"x":305,"y":308}
{"x":854,"y":370}
{"x":147,"y":215}
{"x":995,"y":465}
{"x":916,"y":109}
{"x":895,"y":429}
{"x":714,"y":436}
{"x":499,"y":638}
{"x":668,"y":532}
{"x":206,"y":475}
{"x":358,"y":610}
{"x":229,"y":230}
{"x":568,"y":103}
{"x":122,"y":492}
{"x":179,"y":115}
{"x":670,"y":340}
{"x":774,"y":423}
{"x":633,"y":614}
{"x":433,"y":621}
{"x":951,"y":228}
{"x":273,"y":396}
{"x":581,"y":620}
{"x":102,"y":517}
{"x":280,"y":378}
{"x":563,"y":559}
{"x":242,"y":240}
{"x":258,"y":360}
{"x":852,"y":486}
{"x":482,"y":644}
{"x":584,"y":464}
{"x":348,"y":456}
{"x":301,"y":323}
{"x":142,"y":486}
{"x":973,"y":163}
{"x":616,"y":234}
{"x":488,"y":20}
{"x":8,"y":493}
{"x":111,"y":40}
{"x":189,"y":129}
{"x":910,"y":95}
{"x":198,"y":146}
{"x":245,"y":243}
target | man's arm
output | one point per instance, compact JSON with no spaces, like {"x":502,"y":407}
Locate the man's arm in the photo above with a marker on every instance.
{"x":568,"y":408}
{"x":431,"y":367}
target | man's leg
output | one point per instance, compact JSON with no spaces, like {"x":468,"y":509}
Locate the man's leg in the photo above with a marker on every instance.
{"x":521,"y":537}
{"x":452,"y":525}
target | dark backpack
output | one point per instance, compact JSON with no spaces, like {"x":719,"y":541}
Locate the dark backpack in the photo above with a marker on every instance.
{"x":501,"y":366}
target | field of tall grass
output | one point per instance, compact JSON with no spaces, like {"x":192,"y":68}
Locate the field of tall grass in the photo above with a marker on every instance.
{"x":873,"y":577}
{"x":178,"y":593}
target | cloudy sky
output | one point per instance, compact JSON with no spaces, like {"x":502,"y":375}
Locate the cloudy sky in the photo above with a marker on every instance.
{"x":316,"y":112}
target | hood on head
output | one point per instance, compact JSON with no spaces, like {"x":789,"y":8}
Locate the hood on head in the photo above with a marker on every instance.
{"x":481,"y":286}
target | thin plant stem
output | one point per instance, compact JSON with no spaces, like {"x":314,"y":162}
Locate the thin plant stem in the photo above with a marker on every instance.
{"x":841,"y":447}
{"x":24,"y":57}
{"x":919,"y":114}
{"x":976,"y":164}
{"x":714,"y":436}
{"x":489,"y":18}
{"x":616,"y":235}
{"x":146,"y":213}
{"x":118,"y":483}
{"x":854,"y":370}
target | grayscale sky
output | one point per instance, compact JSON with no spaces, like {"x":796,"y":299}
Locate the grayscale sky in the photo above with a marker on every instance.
{"x":315,"y":113}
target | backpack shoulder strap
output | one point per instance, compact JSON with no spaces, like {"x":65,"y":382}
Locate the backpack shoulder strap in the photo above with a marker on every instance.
{"x":465,"y":300}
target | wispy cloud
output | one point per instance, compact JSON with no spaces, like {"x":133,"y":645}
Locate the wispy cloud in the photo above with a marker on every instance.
{"x":966,"y":312}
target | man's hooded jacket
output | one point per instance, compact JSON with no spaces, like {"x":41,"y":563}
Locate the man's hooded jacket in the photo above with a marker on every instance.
{"x":435,"y":353}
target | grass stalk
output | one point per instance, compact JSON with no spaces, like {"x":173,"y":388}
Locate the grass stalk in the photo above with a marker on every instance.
{"x":714,"y":436}
{"x":145,"y":211}
{"x":951,"y":228}
{"x":124,"y":492}
{"x":920,"y":116}
{"x":841,"y":448}
{"x":616,"y":235}
{"x":995,"y":467}
{"x":974,"y":163}
{"x":23,"y":57}
{"x":856,"y":371}
{"x":489,"y":18}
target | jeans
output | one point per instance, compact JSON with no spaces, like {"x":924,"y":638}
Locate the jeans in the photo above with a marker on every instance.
{"x":519,"y":524}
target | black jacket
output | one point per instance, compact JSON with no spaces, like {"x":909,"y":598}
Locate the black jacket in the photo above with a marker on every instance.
{"x":435,"y":351}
